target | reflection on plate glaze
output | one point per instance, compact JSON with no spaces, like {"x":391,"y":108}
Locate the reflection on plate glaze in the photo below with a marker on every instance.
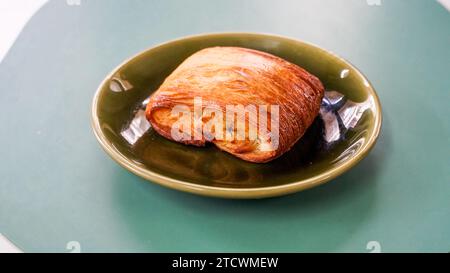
{"x":352,"y":112}
{"x":348,"y":153}
{"x":340,"y":115}
{"x":117,"y":84}
{"x":139,"y":125}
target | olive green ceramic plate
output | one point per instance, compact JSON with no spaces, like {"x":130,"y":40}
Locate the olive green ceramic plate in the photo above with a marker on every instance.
{"x":209,"y":171}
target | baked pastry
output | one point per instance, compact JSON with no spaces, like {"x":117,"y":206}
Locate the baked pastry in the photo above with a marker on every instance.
{"x":223,"y":76}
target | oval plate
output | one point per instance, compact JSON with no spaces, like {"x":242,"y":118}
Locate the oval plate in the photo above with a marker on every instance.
{"x":119,"y":126}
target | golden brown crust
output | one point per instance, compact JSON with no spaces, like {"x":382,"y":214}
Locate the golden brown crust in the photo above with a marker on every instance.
{"x":239,"y":76}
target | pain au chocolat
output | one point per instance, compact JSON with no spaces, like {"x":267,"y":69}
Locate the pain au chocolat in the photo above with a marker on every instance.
{"x":224,"y":78}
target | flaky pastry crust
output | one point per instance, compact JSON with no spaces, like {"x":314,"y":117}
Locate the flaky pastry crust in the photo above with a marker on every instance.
{"x":239,"y":76}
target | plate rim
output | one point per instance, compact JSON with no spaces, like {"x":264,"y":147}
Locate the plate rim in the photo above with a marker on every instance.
{"x":236,"y":193}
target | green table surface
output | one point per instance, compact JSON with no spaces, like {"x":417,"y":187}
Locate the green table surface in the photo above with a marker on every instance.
{"x":58,"y":186}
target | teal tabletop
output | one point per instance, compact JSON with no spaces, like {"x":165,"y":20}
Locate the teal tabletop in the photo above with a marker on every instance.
{"x":60,"y":191}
